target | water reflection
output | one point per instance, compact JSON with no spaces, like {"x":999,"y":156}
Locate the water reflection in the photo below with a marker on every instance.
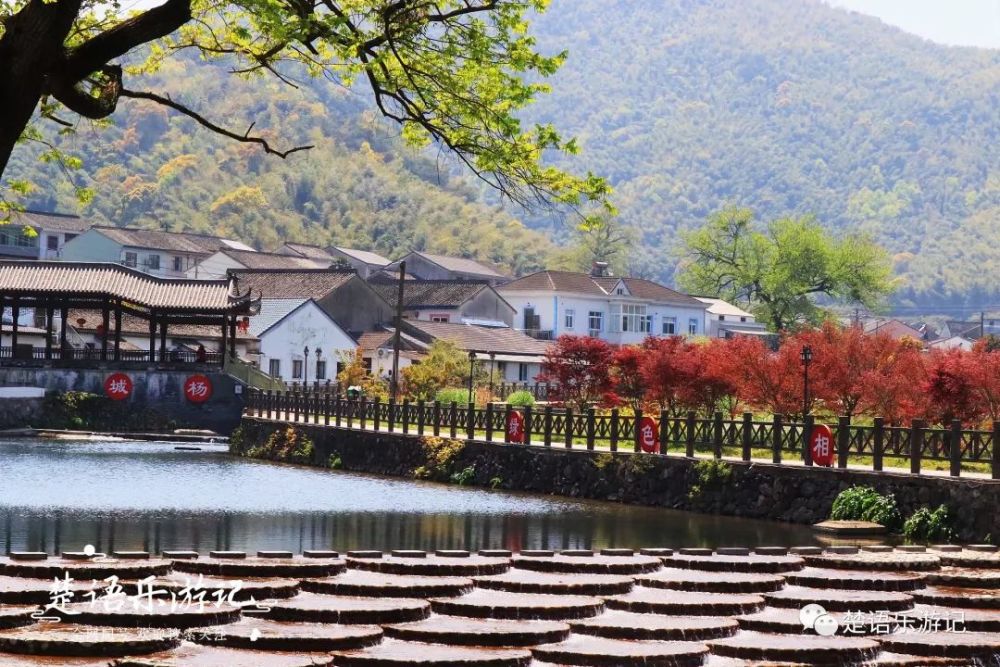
{"x":57,"y":495}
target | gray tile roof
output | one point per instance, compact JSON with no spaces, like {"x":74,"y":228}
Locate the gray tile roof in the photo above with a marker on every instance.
{"x":462,"y":265}
{"x":271,"y":312}
{"x":365,"y":256}
{"x":501,"y":340}
{"x":431,"y":293}
{"x":62,"y":222}
{"x":292,"y":283}
{"x":170,"y":241}
{"x":584,"y":283}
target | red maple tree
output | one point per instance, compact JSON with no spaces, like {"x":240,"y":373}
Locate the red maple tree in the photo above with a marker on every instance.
{"x":578,"y":368}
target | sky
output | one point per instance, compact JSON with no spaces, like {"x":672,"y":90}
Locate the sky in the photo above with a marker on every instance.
{"x":952,"y":22}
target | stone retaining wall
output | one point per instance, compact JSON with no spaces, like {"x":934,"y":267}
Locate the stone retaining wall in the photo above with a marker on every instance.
{"x":757,"y":490}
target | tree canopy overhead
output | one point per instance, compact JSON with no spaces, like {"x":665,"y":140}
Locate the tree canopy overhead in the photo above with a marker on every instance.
{"x":454,"y":73}
{"x":780,"y":269}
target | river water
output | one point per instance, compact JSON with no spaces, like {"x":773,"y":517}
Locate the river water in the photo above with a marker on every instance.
{"x":61,"y":495}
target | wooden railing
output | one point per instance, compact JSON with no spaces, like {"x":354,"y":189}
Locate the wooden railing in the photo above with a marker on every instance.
{"x":877,"y":446}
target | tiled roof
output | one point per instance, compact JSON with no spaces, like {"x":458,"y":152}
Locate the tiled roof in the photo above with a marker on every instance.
{"x":270,"y":260}
{"x":62,"y":222}
{"x":271,"y":312}
{"x":365,"y":256}
{"x":431,"y":293}
{"x":91,"y":278}
{"x":305,"y":250}
{"x":462,"y":265}
{"x":132,"y":325}
{"x":502,"y":340}
{"x":893,"y":329}
{"x":373,"y":340}
{"x":291,"y":284}
{"x":170,"y":241}
{"x":584,"y":283}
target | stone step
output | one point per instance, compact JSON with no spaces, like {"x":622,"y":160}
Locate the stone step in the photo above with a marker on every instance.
{"x":674,"y":603}
{"x":524,"y":606}
{"x":268,"y":635}
{"x":479,"y":631}
{"x":588,"y":564}
{"x":316,"y":608}
{"x":711,"y":582}
{"x":63,"y":639}
{"x":555,"y":583}
{"x":377,"y":584}
{"x":615,"y":624}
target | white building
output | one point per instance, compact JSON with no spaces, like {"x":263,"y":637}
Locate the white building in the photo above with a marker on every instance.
{"x":618,"y":310}
{"x":725,"y":319}
{"x":159,"y":253}
{"x":218,"y":265}
{"x":425,"y":266}
{"x":299,"y":341}
{"x":37,"y":235}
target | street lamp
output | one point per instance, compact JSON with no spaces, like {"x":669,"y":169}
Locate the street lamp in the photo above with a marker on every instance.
{"x":807,"y":357}
{"x":305,"y":366}
{"x":472,"y":366}
{"x":493,"y":363}
{"x":318,"y":353}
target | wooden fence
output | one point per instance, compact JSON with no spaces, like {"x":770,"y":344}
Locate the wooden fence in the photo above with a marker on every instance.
{"x":877,"y":446}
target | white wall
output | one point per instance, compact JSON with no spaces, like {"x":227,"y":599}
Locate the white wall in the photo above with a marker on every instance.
{"x":306,"y":326}
{"x":212,"y":267}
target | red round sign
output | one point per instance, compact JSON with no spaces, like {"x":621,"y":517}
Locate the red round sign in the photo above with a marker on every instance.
{"x":648,"y":435}
{"x":118,"y":386}
{"x":515,"y":426}
{"x":821,"y":445}
{"x":198,"y":388}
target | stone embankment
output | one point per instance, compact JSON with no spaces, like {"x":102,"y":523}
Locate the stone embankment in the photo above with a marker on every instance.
{"x":910,"y":606}
{"x":754,"y":490}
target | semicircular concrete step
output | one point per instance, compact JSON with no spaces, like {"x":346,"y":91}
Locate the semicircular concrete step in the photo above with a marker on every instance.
{"x":13,"y":616}
{"x":378,"y":584}
{"x":973,"y":577}
{"x":433,"y":565}
{"x":85,"y":569}
{"x":705,"y":581}
{"x":556,"y":583}
{"x":839,"y":599}
{"x":944,"y":644}
{"x":64,"y":639}
{"x":196,"y":655}
{"x":318,"y":608}
{"x":268,"y":635}
{"x":393,"y":652}
{"x":969,"y":558}
{"x":294,"y":568}
{"x":616,"y":624}
{"x":866,"y":560}
{"x":479,"y":631}
{"x":757,"y":563}
{"x":860,"y":580}
{"x":584,"y":650}
{"x":588,"y":564}
{"x":957,"y":596}
{"x":808,"y":649}
{"x":528,"y":606}
{"x":130,"y":612}
{"x":778,"y":620}
{"x":674,"y":603}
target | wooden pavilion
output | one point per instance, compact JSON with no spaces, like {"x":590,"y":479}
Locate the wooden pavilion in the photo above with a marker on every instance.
{"x":51,"y":286}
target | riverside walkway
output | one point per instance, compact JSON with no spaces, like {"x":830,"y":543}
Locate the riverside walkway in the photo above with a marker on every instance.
{"x":907,"y":606}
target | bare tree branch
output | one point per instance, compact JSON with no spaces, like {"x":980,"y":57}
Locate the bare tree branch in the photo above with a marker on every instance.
{"x":204,"y":122}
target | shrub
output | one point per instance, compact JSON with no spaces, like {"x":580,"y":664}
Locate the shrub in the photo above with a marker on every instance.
{"x":440,"y":456}
{"x":928,"y":525}
{"x":521,"y":399}
{"x":710,"y":474}
{"x":452,"y":395}
{"x":463,"y":477}
{"x":288,"y":444}
{"x":863,"y":503}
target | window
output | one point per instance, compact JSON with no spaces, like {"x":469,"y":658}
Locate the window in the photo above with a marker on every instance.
{"x":743,"y":319}
{"x":52,"y":242}
{"x":321,"y":369}
{"x":296,"y":369}
{"x":692,"y":326}
{"x":531,"y":320}
{"x":722,"y":318}
{"x":522,"y":372}
{"x":153,"y":262}
{"x":568,"y":319}
{"x":4,"y":238}
{"x":646,"y":324}
{"x":440,"y":318}
{"x":70,"y":237}
{"x":178,"y":263}
{"x":633,"y":316}
{"x":366,"y":362}
{"x":502,"y":368}
{"x":620,"y":291}
{"x":131,"y":259}
{"x":274,"y":368}
{"x":595,"y":322}
{"x":669,"y":326}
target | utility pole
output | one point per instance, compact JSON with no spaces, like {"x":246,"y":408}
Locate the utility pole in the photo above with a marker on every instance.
{"x":982,"y":324}
{"x":394,"y":384}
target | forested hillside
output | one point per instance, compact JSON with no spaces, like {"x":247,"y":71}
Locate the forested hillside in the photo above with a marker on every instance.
{"x":784,"y":106}
{"x":357,"y":187}
{"x":787,"y":106}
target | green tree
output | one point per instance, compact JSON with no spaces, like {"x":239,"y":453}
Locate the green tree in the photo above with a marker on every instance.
{"x":444,"y":366}
{"x":780,"y":269}
{"x":598,"y":238}
{"x":456,"y":73}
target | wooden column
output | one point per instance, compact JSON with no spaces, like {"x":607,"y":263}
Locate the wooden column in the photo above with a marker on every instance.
{"x":15,"y":312}
{"x":118,"y":330}
{"x":232,"y":343}
{"x":225,"y":335}
{"x":163,"y":339}
{"x":105,"y":325}
{"x":63,"y":317}
{"x":152,"y":338}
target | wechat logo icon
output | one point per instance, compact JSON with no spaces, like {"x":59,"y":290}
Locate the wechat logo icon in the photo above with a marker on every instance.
{"x":814,"y":617}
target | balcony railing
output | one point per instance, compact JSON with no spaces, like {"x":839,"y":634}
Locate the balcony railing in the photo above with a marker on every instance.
{"x":33,"y":355}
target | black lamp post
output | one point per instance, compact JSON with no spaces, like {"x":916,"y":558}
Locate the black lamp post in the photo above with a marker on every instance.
{"x":807,"y":357}
{"x":305,"y":366}
{"x":493,"y":363}
{"x":318,"y":353}
{"x":472,"y":366}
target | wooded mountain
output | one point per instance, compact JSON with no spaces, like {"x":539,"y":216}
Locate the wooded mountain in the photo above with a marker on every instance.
{"x":788,"y":107}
